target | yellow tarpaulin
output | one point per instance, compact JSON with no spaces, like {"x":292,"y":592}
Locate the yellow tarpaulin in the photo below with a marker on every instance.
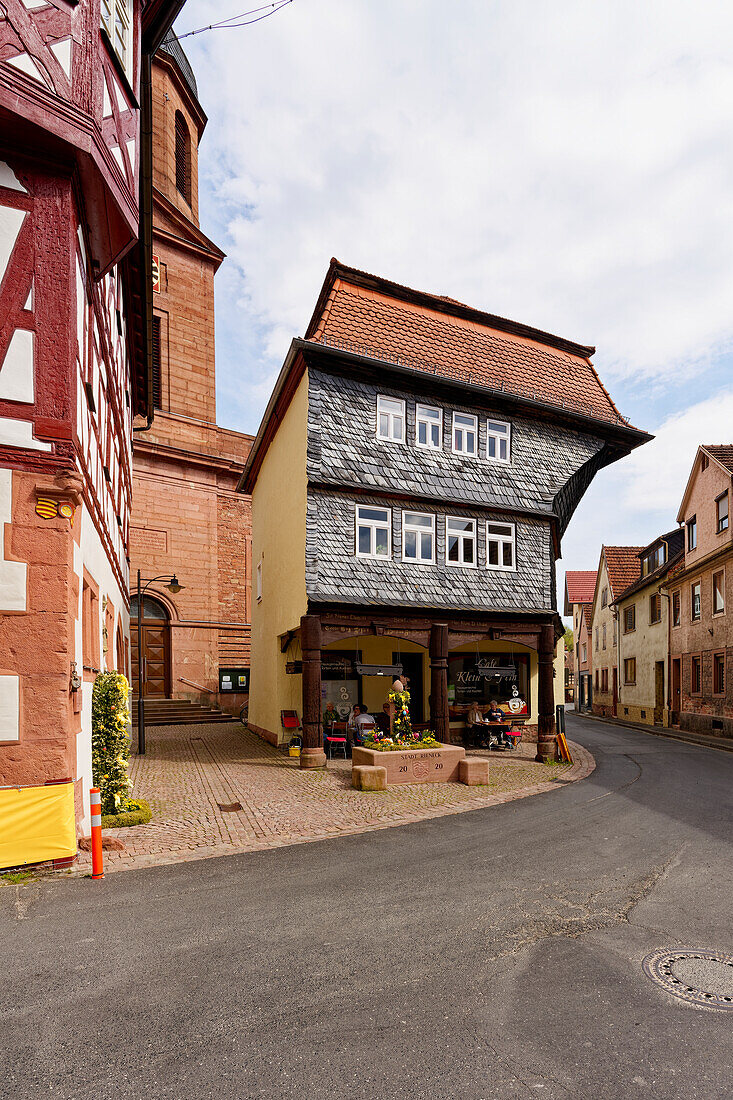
{"x":36,"y":824}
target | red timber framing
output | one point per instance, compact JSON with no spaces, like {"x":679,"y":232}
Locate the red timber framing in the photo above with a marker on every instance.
{"x":439,"y":633}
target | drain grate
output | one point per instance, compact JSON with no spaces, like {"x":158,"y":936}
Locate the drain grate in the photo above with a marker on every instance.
{"x":700,"y":978}
{"x":229,"y":807}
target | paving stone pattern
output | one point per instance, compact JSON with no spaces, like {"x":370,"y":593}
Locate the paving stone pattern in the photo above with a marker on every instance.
{"x":189,"y":770}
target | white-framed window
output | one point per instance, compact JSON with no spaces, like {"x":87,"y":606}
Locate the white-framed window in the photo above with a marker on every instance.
{"x":373,"y":531}
{"x":259,"y":580}
{"x":418,"y":537}
{"x":500,"y":546}
{"x":460,"y":541}
{"x":391,"y":419}
{"x":116,"y":17}
{"x":498,"y":440}
{"x":428,"y":427}
{"x":465,"y":434}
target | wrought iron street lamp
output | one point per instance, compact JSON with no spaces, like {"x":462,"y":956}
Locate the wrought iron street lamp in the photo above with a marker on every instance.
{"x":174,"y":587}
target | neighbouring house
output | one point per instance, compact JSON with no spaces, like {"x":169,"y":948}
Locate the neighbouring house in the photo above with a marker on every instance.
{"x":187,"y":517}
{"x":579,"y":588}
{"x":569,"y":673}
{"x":618,"y":567}
{"x":701,"y":595}
{"x":414,"y":472}
{"x":643,"y":615}
{"x":584,"y":650}
{"x":75,"y":362}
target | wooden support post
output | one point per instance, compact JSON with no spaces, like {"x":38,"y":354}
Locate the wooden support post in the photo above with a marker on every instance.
{"x":312,"y":754}
{"x":546,"y":739}
{"x":439,"y":717}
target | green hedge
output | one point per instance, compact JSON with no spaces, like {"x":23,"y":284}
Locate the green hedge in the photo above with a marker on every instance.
{"x":110,"y":742}
{"x":139,"y":813}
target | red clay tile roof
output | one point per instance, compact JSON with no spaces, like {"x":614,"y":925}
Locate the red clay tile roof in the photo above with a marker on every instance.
{"x":581,"y":584}
{"x":722,"y":454}
{"x":623,"y":566}
{"x":363,"y":313}
{"x":588,"y":614}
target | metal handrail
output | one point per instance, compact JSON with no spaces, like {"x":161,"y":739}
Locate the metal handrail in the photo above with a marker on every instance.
{"x":197,"y":686}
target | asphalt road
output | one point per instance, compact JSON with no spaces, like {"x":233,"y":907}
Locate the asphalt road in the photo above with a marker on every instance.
{"x":496,"y":953}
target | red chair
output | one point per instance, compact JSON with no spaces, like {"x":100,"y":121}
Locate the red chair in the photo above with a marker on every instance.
{"x":336,"y":737}
{"x":291,"y":725}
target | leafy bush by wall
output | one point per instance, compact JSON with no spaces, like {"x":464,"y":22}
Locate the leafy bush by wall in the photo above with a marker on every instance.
{"x":110,"y":741}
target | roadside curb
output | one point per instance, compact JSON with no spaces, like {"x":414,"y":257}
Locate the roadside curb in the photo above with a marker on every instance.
{"x":584,"y":764}
{"x":687,"y":737}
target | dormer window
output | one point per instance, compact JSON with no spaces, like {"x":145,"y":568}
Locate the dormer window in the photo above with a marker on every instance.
{"x":183,"y":158}
{"x":391,"y":419}
{"x":498,"y":439}
{"x":465,"y":434}
{"x":116,"y":19}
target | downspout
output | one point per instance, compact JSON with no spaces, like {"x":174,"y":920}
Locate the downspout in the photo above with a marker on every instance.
{"x":145,"y":241}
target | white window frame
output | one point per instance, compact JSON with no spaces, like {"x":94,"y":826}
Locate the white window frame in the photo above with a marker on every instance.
{"x":373,"y":525}
{"x":461,"y":535}
{"x":499,"y":437}
{"x":463,"y":428}
{"x":113,"y":12}
{"x":420,"y":530}
{"x":502,"y":541}
{"x":431,"y":422}
{"x":393,"y":416}
{"x":719,"y":573}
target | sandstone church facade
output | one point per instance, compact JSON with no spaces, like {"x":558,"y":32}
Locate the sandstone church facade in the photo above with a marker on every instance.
{"x":187,"y":517}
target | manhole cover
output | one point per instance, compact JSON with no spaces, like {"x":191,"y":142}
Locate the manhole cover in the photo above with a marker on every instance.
{"x":229,"y":807}
{"x":702,"y":978}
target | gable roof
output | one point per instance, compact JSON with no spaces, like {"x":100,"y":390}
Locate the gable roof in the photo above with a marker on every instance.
{"x":586,"y":611}
{"x":580,"y":584}
{"x":623,"y":567}
{"x":360,"y":312}
{"x":675,"y":541}
{"x":720,"y":453}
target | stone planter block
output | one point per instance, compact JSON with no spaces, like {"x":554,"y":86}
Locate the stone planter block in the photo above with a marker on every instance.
{"x":367,"y":778}
{"x":473,"y":771}
{"x":414,"y":765}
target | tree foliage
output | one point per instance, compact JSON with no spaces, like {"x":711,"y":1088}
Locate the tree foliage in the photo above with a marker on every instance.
{"x":110,"y":741}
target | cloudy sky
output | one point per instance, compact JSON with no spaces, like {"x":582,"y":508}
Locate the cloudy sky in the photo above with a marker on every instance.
{"x":566,"y":164}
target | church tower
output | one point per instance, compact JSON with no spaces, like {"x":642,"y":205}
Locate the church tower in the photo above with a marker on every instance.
{"x":187,"y":517}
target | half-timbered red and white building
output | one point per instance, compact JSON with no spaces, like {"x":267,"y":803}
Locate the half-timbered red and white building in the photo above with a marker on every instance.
{"x":75,"y":338}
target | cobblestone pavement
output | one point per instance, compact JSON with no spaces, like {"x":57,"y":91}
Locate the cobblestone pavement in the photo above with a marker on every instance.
{"x":189,"y":772}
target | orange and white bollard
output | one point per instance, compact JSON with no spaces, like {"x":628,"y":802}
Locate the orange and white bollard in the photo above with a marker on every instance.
{"x":95,"y":797}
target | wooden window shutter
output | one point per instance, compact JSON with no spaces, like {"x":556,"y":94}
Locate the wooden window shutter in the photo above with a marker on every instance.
{"x":183,"y":158}
{"x":157,"y":391}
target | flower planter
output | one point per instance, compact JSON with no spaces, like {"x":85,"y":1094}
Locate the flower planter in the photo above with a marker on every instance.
{"x":414,"y":765}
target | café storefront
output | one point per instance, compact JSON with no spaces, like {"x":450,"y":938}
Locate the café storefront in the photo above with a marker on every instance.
{"x":482,"y":676}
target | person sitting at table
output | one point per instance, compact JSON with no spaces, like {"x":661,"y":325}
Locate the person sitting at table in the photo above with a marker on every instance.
{"x":476,"y":725}
{"x":362,"y":724}
{"x":382,"y":720}
{"x":497,"y":715}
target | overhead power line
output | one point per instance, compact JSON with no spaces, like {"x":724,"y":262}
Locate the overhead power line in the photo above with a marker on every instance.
{"x":241,"y":20}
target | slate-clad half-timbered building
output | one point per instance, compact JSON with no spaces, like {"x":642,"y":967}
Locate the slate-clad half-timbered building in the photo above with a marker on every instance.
{"x":411,"y":481}
{"x":75,"y":337}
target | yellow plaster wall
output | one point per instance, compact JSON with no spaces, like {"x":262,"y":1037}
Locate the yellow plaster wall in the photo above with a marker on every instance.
{"x":279,"y":504}
{"x":648,"y":644}
{"x":378,"y":651}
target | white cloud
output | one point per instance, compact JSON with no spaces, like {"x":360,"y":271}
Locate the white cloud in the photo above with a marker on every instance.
{"x":566,"y":164}
{"x":637,"y":499}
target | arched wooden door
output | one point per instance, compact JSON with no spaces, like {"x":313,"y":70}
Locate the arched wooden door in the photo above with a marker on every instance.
{"x":156,"y":648}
